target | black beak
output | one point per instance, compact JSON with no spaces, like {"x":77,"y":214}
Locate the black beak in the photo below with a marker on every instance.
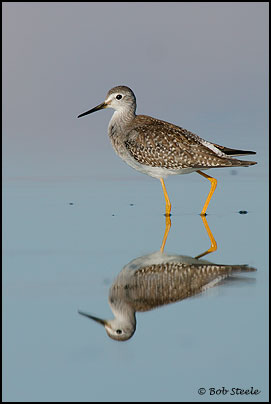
{"x":97,"y":319}
{"x":101,"y":106}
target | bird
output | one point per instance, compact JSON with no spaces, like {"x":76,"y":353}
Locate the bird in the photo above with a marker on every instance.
{"x":155,"y":280}
{"x":159,"y":148}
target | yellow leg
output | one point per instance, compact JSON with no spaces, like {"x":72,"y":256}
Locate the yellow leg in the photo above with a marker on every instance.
{"x":211,"y":237}
{"x":168,"y":225}
{"x":168,"y":204}
{"x":212,"y":190}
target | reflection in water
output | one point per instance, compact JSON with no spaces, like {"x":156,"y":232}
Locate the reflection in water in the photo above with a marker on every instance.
{"x":158,"y":279}
{"x":211,"y":237}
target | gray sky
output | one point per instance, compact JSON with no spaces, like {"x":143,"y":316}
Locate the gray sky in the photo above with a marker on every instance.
{"x":203,"y":66}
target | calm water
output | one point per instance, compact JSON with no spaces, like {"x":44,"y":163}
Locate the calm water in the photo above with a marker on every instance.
{"x":66,"y":240}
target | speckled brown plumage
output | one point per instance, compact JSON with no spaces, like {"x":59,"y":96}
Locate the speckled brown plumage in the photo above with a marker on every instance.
{"x":157,"y":143}
{"x":159,"y":284}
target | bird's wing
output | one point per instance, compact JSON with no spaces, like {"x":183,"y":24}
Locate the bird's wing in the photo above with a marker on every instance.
{"x":160,"y":144}
{"x":160,"y":284}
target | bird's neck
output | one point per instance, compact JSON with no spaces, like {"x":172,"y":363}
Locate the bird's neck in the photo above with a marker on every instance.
{"x":119,"y":302}
{"x":120,"y":120}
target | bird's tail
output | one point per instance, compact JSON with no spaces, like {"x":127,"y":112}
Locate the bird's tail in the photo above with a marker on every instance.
{"x":245,"y":163}
{"x":234,"y":152}
{"x":242,"y":268}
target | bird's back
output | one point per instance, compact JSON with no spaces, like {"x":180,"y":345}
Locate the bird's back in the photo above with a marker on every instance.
{"x":156,"y":143}
{"x":159,"y":284}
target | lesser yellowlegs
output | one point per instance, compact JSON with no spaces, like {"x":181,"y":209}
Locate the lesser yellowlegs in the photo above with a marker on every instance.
{"x":155,"y":280}
{"x":159,"y":148}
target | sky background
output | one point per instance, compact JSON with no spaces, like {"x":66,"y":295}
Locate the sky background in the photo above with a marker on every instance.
{"x":74,"y":214}
{"x":203,"y":66}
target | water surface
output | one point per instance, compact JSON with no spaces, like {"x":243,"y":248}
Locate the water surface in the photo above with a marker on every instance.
{"x":65,"y":241}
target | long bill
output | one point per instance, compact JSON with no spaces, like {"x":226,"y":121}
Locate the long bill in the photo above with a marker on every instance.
{"x":97,"y":319}
{"x":100,"y":106}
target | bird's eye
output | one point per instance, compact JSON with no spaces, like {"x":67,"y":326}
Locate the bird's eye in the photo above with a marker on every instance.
{"x":119,"y":331}
{"x":119,"y":97}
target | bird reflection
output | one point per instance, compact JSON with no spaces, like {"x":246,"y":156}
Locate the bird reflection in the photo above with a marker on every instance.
{"x":158,"y":279}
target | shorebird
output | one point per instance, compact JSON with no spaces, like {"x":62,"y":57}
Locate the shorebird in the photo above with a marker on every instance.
{"x":155,"y":280}
{"x":158,"y":148}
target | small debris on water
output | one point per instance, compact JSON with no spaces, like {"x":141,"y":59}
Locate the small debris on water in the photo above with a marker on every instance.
{"x":131,"y":204}
{"x":71,"y":203}
{"x":242,"y":212}
{"x":233,"y":172}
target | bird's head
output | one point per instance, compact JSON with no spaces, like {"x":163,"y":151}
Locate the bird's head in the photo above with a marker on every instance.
{"x":117,"y":329}
{"x":120,"y":98}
